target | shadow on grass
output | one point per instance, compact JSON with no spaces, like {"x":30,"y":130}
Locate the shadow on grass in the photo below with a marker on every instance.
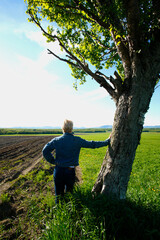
{"x":121,"y":220}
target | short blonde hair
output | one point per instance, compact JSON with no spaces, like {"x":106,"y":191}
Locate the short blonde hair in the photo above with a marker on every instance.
{"x":67,"y":126}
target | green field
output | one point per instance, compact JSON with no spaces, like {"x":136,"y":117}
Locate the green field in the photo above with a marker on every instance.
{"x":136,"y":218}
{"x":144,"y":184}
{"x":81,"y":216}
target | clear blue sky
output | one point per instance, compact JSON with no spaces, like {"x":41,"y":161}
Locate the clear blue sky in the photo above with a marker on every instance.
{"x":37,"y":89}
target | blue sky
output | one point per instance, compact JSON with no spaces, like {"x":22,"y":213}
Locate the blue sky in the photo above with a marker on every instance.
{"x":37,"y":89}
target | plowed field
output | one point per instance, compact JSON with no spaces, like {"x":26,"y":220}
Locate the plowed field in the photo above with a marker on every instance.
{"x":17,"y":154}
{"x":23,"y":175}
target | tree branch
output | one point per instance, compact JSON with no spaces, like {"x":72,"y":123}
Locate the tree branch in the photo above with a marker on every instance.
{"x":101,"y":80}
{"x":98,"y":41}
{"x":109,"y":6}
{"x":84,"y":66}
{"x":133,"y":19}
{"x":62,"y":59}
{"x":91,"y":15}
{"x":117,"y":82}
{"x":42,"y":29}
{"x":68,"y":8}
{"x":123,"y":52}
{"x":116,"y":30}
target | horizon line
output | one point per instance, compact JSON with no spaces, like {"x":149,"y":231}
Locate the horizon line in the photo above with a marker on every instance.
{"x":58,"y":127}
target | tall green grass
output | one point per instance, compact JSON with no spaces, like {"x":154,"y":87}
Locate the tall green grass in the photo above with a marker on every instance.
{"x":138,"y":217}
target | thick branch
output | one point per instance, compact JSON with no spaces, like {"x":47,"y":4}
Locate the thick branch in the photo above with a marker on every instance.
{"x":133,"y":18}
{"x":123,"y":52}
{"x":117,"y":82}
{"x":107,"y":86}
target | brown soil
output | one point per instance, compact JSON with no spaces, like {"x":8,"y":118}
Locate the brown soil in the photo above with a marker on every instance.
{"x":17,"y":153}
{"x":20,"y":155}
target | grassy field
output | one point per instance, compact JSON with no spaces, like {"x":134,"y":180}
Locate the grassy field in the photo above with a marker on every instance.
{"x":82,"y":217}
{"x":144,"y":184}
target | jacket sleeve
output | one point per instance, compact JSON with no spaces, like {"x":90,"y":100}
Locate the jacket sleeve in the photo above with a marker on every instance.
{"x":47,"y":152}
{"x":94,"y":144}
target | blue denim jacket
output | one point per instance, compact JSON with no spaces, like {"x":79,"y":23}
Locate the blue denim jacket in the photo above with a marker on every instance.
{"x":68,"y":148}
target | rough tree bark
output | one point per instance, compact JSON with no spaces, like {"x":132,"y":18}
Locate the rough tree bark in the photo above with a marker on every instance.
{"x":127,"y":127}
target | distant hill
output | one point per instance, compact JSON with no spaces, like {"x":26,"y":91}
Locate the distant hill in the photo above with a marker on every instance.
{"x":105,"y":126}
{"x":110,"y":126}
{"x":156,"y":126}
{"x":58,"y":127}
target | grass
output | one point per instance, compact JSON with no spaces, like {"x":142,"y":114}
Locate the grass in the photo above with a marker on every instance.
{"x":144,"y":184}
{"x":5,"y":198}
{"x":136,"y":218}
{"x":80,"y":217}
{"x":91,"y":159}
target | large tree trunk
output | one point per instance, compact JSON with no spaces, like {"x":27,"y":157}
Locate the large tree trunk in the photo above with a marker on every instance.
{"x":128,"y":124}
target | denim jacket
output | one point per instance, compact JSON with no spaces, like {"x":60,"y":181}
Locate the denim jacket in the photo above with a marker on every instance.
{"x":68,"y":148}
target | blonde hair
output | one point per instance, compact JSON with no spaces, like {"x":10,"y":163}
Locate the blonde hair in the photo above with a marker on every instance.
{"x":67,"y":126}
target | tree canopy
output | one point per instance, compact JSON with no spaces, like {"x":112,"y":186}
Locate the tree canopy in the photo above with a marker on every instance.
{"x":100,"y":33}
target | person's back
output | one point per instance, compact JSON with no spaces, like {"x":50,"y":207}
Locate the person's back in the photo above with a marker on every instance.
{"x":67,"y":148}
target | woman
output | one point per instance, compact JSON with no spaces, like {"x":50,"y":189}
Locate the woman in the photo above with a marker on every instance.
{"x":67,"y":149}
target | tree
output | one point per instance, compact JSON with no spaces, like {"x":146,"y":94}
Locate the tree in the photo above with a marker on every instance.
{"x":102,"y":34}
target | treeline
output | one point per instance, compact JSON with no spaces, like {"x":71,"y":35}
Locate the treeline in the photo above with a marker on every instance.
{"x":15,"y":131}
{"x":21,"y":131}
{"x":92,"y":130}
{"x":151,"y":130}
